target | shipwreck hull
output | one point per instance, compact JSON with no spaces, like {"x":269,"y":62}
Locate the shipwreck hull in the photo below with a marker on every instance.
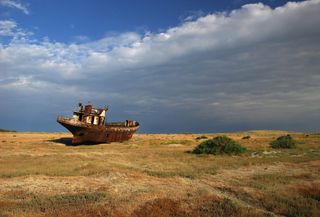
{"x":88,"y":133}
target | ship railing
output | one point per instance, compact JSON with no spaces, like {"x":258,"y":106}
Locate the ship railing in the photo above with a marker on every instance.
{"x":123,"y":124}
{"x":62,"y":118}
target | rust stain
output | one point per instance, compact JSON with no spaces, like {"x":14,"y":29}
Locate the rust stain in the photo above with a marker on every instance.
{"x":88,"y":125}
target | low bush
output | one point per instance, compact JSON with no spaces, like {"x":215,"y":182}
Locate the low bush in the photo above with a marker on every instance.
{"x":283,"y":142}
{"x":201,"y":137}
{"x":246,"y":137}
{"x":219,"y":145}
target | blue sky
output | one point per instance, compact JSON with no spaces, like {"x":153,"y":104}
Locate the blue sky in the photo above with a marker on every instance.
{"x":64,"y":21}
{"x":175,"y":66}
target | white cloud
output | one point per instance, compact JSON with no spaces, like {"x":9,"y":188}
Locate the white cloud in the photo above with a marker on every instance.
{"x":9,"y":28}
{"x":192,"y":16}
{"x":251,"y":65}
{"x":15,"y":5}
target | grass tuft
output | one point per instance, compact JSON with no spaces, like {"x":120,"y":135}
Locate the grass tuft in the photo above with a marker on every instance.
{"x":66,"y":200}
{"x":201,"y":137}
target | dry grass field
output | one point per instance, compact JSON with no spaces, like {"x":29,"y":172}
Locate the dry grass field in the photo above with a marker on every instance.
{"x":42,"y":174}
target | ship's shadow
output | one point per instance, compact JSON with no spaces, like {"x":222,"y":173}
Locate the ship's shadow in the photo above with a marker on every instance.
{"x":67,"y":141}
{"x":64,"y":140}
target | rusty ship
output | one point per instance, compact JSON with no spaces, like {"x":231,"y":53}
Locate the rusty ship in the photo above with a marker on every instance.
{"x":88,"y":125}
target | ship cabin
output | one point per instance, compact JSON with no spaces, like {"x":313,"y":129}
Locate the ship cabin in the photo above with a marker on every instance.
{"x":90,"y":115}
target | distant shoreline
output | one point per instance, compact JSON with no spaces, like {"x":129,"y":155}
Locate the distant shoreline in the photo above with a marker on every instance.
{"x":8,"y":131}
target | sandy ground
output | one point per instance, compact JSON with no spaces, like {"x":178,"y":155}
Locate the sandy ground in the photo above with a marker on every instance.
{"x":42,"y":174}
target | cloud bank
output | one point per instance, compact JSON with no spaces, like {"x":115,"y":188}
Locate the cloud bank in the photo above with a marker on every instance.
{"x":250,"y":68}
{"x":16,"y":5}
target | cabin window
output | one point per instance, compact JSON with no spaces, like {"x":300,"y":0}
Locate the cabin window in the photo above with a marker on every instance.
{"x":95,"y":120}
{"x":89,"y":119}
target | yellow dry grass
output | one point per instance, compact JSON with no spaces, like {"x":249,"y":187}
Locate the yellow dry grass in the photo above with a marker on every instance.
{"x":41,"y":174}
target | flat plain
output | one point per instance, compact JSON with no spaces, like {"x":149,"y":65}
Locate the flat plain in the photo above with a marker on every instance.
{"x":42,"y":174}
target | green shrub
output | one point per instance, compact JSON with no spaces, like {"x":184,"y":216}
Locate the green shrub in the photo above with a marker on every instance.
{"x":219,"y":145}
{"x":283,"y":142}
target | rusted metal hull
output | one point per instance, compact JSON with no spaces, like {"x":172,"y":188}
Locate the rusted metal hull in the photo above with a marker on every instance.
{"x":88,"y":133}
